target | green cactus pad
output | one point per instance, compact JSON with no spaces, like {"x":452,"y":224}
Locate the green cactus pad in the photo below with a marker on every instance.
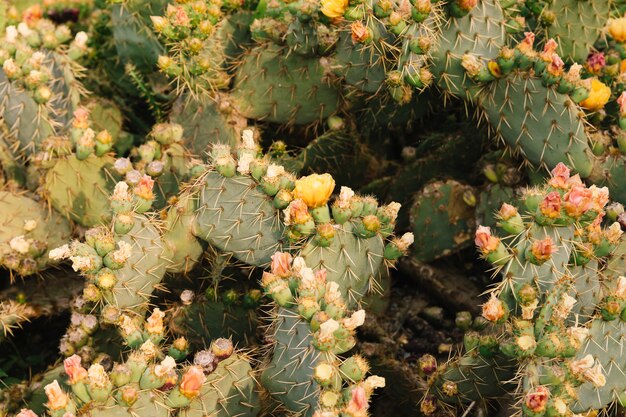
{"x":441,"y":220}
{"x":544,"y":126}
{"x":208,"y":319}
{"x":577,"y":25}
{"x":50,"y":228}
{"x":205,"y":124}
{"x":361,"y":65}
{"x":475,"y":377}
{"x":184,"y":249}
{"x":276,"y":87}
{"x":352,"y":262}
{"x":229,"y":391}
{"x":234,"y":215}
{"x":143,"y":271}
{"x":80,"y":189}
{"x":481,"y":32}
{"x":135,"y":42}
{"x":147,"y":405}
{"x":606,"y":344}
{"x":289,"y":375}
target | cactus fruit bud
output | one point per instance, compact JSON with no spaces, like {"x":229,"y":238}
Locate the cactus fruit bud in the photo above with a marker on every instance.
{"x":179,"y":349}
{"x":324,"y":338}
{"x":490,"y":246}
{"x":281,"y":264}
{"x":359,"y":32}
{"x":398,"y":246}
{"x":123,"y":223}
{"x":460,"y":8}
{"x":355,"y":368}
{"x":226,"y":166}
{"x":485,"y":241}
{"x":495,"y":310}
{"x":537,"y":400}
{"x":463,"y":320}
{"x":325,"y":234}
{"x":427,"y":364}
{"x":540,"y":251}
{"x":154,"y":323}
{"x":120,"y":374}
{"x":25,"y":412}
{"x":222,"y":348}
{"x":510,"y":219}
{"x":206,"y":360}
{"x":428,"y":406}
{"x":192,"y":381}
{"x":100,"y":385}
{"x":57,"y":399}
{"x":325,"y":374}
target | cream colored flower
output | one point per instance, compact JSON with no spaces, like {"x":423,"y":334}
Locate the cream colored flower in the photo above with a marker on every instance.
{"x":581,"y":365}
{"x":564,"y":307}
{"x":124,"y":251}
{"x":30,"y":225}
{"x":57,"y":399}
{"x":493,"y":310}
{"x":332,"y":293}
{"x":327,"y":330}
{"x":165,"y":367}
{"x":154,"y":323}
{"x":355,"y":320}
{"x":20,"y":244}
{"x":243,"y":164}
{"x":97,"y":376}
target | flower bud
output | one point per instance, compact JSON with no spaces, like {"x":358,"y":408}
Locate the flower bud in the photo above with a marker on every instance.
{"x":494,"y":310}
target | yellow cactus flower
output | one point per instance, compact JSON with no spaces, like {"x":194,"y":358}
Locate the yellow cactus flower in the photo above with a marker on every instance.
{"x":599,"y":95}
{"x":315,"y":189}
{"x":617,"y":29}
{"x":334,"y":8}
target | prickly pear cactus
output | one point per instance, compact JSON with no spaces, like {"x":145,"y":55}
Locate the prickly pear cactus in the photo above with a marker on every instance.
{"x":305,"y":372}
{"x":481,"y":32}
{"x":219,"y":382}
{"x":552,"y":305}
{"x":442,"y":219}
{"x":574,"y":25}
{"x":29,"y":232}
{"x":124,"y":262}
{"x":38,"y":82}
{"x":274,"y":86}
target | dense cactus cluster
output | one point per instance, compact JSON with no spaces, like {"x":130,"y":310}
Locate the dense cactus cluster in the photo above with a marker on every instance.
{"x":204,"y":203}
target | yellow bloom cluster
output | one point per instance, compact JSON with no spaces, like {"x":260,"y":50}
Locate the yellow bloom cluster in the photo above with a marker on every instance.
{"x":617,"y":29}
{"x":314,"y":190}
{"x":334,"y":8}
{"x":599,"y":95}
